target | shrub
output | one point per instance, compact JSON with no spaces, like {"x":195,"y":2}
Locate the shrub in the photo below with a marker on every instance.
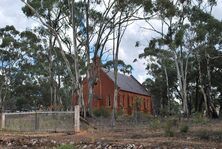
{"x":204,"y":135}
{"x":184,"y":128}
{"x":169,"y":128}
{"x":154,"y":123}
{"x":199,"y":119}
{"x":210,"y":135}
{"x":169,"y":133}
{"x":216,"y":136}
{"x":120,"y":112}
{"x":163,"y":112}
{"x":101,"y":112}
{"x":66,"y":146}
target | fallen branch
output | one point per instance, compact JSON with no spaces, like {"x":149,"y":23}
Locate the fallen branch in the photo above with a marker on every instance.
{"x":86,"y":122}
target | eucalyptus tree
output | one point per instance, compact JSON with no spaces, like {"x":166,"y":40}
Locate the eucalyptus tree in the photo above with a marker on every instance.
{"x":173,"y":16}
{"x":181,"y":21}
{"x":126,"y":13}
{"x":124,"y":68}
{"x":20,"y":68}
{"x":59,"y":13}
{"x":161,"y":68}
{"x":51,"y":13}
{"x":207,"y":44}
{"x":9,"y":56}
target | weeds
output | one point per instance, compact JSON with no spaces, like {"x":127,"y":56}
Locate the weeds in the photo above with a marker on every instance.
{"x":204,"y":135}
{"x":184,"y":128}
{"x":101,"y":112}
{"x":169,"y":128}
{"x":210,"y":135}
{"x":154,"y":123}
{"x":169,"y":133}
{"x":66,"y":146}
{"x":199,"y":119}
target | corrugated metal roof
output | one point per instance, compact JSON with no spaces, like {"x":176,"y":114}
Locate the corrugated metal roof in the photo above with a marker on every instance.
{"x":127,"y":83}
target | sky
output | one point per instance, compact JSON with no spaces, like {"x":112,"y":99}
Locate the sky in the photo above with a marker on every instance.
{"x":11,"y":14}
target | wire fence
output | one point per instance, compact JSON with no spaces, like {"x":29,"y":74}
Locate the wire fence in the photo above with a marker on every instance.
{"x":56,"y":121}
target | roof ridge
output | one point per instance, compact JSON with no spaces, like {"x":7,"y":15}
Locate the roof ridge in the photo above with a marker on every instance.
{"x":127,"y":82}
{"x":139,"y":83}
{"x":108,"y":70}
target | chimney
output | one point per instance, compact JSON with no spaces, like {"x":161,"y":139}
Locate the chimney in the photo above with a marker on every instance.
{"x":97,"y":61}
{"x":96,"y":66}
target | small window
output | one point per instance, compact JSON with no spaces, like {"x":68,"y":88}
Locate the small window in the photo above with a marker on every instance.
{"x":144,"y":103}
{"x":109,"y":101}
{"x":123,"y":101}
{"x":128,"y":101}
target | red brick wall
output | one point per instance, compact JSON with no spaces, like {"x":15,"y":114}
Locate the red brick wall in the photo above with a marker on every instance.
{"x":127,"y":100}
{"x":103,"y":89}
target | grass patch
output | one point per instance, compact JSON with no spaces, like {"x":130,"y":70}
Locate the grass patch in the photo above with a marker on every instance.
{"x":210,"y":135}
{"x":155,"y":123}
{"x":184,"y":128}
{"x":169,"y":127}
{"x":199,"y":119}
{"x":66,"y":146}
{"x":169,"y":133}
{"x":101,"y":112}
{"x":204,"y":135}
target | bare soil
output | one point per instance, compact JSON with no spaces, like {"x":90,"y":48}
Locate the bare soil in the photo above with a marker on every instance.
{"x":124,"y":135}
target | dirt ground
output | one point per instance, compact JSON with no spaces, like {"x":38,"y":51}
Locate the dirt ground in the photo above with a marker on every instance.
{"x":124,"y":135}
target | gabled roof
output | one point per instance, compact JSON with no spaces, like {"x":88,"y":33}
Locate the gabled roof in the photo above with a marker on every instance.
{"x":127,"y":83}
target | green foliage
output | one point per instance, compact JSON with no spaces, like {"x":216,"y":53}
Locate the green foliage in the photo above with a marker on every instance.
{"x":101,"y":112}
{"x":137,"y":104}
{"x":210,"y":135}
{"x":204,"y":134}
{"x":124,"y":68}
{"x":66,"y":146}
{"x":169,"y":132}
{"x":165,"y":7}
{"x":120,"y":112}
{"x":198,"y":118}
{"x":169,"y":127}
{"x":163,"y":112}
{"x":184,"y":128}
{"x":155,"y":123}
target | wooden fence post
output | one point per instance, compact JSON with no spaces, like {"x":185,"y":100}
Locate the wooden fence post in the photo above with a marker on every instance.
{"x":77,"y":119}
{"x":3,"y":120}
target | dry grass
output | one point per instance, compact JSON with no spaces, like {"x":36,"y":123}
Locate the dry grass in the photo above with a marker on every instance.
{"x":208,"y":135}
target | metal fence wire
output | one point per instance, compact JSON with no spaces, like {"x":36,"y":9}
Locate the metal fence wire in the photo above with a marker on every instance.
{"x":40,"y":121}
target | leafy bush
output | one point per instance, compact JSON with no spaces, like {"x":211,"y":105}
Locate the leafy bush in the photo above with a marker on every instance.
{"x":210,"y":135}
{"x":163,"y":112}
{"x":184,"y":128}
{"x":204,"y":135}
{"x":154,"y":123}
{"x":101,"y":112}
{"x":199,"y":119}
{"x":66,"y":146}
{"x":120,"y":112}
{"x":169,"y":127}
{"x":169,"y":133}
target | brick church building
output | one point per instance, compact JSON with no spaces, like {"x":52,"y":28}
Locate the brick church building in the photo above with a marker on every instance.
{"x":130,"y":92}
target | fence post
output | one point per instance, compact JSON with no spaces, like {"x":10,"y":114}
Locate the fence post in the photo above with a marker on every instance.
{"x":77,"y":119}
{"x":3,"y":120}
{"x":36,"y":121}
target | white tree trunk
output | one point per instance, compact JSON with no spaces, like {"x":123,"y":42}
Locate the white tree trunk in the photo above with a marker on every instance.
{"x":181,"y":76}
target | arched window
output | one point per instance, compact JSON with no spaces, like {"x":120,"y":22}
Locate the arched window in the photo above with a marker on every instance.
{"x":109,"y":101}
{"x":123,"y":100}
{"x":128,"y":101}
{"x":144,"y":102}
